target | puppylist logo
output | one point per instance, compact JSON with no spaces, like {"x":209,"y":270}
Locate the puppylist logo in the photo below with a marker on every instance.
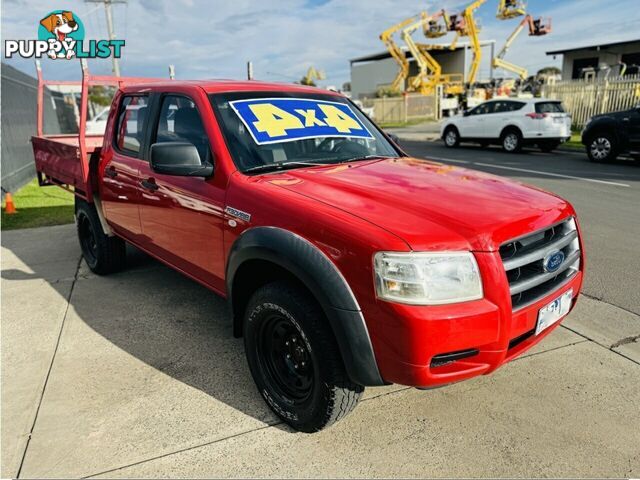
{"x":61,"y":35}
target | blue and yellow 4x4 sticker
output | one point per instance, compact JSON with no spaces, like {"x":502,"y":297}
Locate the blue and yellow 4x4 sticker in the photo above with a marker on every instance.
{"x":273,"y":120}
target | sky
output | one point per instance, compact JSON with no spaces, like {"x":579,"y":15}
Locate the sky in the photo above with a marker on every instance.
{"x":215,"y":39}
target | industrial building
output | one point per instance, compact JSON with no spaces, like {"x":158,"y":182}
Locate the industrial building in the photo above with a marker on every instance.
{"x":619,"y":58}
{"x":371,"y":72}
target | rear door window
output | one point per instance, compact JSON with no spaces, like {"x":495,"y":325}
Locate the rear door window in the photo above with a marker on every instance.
{"x":180,"y":121}
{"x":515,"y":106}
{"x":501,"y":106}
{"x":549,"y":107}
{"x":132,"y":122}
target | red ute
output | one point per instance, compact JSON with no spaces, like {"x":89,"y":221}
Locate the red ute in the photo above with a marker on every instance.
{"x":346,"y":263}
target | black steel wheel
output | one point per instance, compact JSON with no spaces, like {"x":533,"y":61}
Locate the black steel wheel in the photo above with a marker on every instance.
{"x":294,"y":358}
{"x":284,"y":358}
{"x":103,"y":254}
{"x":88,"y":241}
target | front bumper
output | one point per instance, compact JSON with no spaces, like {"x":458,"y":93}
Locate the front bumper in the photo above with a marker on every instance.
{"x":411,"y":343}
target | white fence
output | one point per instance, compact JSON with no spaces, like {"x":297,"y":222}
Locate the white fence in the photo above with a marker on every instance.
{"x":584,"y":98}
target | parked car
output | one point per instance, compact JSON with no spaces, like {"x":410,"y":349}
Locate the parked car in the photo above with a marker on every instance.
{"x":97,"y":124}
{"x":610,"y":134}
{"x":512,"y":123}
{"x":345,"y":263}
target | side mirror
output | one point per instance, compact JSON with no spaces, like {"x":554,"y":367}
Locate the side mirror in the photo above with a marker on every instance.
{"x":394,"y":138}
{"x":178,"y":158}
{"x":466,"y":113}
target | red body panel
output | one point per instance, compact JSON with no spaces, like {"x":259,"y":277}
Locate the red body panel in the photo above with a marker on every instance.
{"x":349,"y":212}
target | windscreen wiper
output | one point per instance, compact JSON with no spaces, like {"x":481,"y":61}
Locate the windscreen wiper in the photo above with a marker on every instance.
{"x":270,"y":167}
{"x":366,"y":157}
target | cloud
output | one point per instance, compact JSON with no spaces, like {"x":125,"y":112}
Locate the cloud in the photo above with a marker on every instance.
{"x":215,"y":39}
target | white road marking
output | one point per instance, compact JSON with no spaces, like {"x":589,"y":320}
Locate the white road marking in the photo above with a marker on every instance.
{"x":440,"y":159}
{"x":526,"y":170}
{"x":605,"y":182}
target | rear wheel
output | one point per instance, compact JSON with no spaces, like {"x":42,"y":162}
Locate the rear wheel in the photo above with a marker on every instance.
{"x":511,"y":141}
{"x":451,"y":137}
{"x":602,"y":148}
{"x":102,"y":253}
{"x":294,"y":358}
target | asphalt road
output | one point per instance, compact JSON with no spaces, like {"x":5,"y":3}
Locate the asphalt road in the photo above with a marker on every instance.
{"x":606,"y":197}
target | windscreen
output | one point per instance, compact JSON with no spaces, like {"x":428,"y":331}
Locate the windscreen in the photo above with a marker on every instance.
{"x":549,"y":107}
{"x":267,"y":130}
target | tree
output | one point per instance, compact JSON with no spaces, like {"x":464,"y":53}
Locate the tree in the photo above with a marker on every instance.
{"x":549,"y":71}
{"x":101,"y":95}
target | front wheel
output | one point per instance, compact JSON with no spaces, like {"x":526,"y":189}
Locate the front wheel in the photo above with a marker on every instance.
{"x":294,"y":358}
{"x":102,"y":253}
{"x":451,"y":137}
{"x":602,"y":148}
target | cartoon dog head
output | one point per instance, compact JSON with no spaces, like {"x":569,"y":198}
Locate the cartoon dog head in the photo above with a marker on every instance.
{"x":60,"y":24}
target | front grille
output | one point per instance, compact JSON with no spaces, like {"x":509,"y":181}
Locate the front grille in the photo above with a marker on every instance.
{"x":523,"y":260}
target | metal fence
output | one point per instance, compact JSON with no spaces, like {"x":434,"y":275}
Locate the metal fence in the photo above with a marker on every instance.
{"x":18,"y":124}
{"x":403,"y":108}
{"x":585,"y":98}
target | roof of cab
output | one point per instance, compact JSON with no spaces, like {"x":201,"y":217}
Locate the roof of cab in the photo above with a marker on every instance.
{"x":221,"y":86}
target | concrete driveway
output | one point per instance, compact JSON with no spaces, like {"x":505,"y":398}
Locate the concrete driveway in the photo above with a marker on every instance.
{"x":137,"y":375}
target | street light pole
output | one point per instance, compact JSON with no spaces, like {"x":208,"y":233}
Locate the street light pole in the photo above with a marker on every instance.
{"x":112,"y":35}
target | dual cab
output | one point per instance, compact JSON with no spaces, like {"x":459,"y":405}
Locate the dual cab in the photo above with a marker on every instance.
{"x":346,"y":263}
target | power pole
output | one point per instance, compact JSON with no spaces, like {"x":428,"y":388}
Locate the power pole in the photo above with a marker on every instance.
{"x":112,"y":35}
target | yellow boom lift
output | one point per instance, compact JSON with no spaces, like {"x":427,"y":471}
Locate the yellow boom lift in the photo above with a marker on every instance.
{"x":537,"y":28}
{"x":312,"y":75}
{"x":464,"y":24}
{"x":430,"y":72}
{"x":397,"y":53}
{"x":510,"y":9}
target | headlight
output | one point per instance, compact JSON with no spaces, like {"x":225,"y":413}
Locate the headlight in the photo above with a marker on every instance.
{"x":427,"y":278}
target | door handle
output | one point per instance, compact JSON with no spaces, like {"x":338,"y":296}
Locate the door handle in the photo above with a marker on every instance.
{"x":149,"y":184}
{"x":111,"y":172}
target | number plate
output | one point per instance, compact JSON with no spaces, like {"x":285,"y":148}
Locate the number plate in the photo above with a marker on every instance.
{"x":554,"y":311}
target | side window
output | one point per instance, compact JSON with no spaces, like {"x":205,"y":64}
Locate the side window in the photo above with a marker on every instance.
{"x":481,"y":109}
{"x":180,"y":121}
{"x":489,"y":107}
{"x":515,"y":106}
{"x":500,"y":107}
{"x":132,"y":121}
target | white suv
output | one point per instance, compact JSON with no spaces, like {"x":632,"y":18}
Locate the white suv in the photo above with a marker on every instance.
{"x":511,"y":123}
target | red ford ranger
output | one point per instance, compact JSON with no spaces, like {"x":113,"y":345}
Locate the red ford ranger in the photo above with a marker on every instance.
{"x":345,"y":262}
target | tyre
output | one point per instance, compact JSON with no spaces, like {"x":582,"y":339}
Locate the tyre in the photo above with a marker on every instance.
{"x":511,"y":141}
{"x":102,"y":253}
{"x":602,"y":148}
{"x":294,"y":358}
{"x":548,"y":147}
{"x":451,"y":137}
